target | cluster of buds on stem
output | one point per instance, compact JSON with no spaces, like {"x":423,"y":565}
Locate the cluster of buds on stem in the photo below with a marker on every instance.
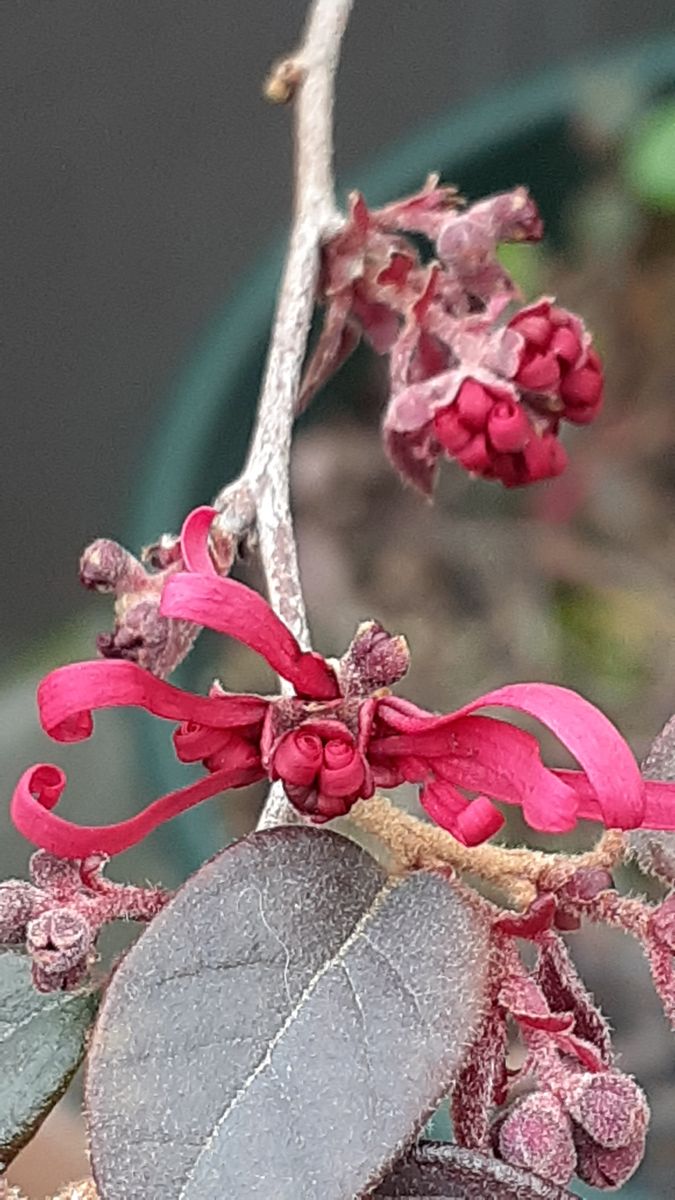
{"x":567,"y":1109}
{"x":472,"y":376}
{"x":60,"y":913}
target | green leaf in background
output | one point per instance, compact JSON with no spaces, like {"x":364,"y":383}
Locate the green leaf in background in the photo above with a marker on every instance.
{"x":284,"y":1026}
{"x":42,"y":1043}
{"x":650,"y":158}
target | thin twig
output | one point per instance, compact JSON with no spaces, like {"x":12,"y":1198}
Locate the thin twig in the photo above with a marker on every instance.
{"x":261,"y":496}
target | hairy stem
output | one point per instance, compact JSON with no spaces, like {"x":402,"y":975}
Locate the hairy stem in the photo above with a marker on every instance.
{"x":261,"y":496}
{"x":518,"y":873}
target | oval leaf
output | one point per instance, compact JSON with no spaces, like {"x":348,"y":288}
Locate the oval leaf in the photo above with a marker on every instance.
{"x":446,"y":1172}
{"x":653,"y":850}
{"x":42,"y":1042}
{"x":284,"y":1027}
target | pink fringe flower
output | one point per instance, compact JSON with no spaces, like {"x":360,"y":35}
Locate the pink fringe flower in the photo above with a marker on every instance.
{"x":338,"y":737}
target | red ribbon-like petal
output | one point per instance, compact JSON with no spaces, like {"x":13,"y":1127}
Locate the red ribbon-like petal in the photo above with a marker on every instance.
{"x":194,"y":541}
{"x":40,"y":789}
{"x":504,"y":762}
{"x":231,"y":608}
{"x":67,"y":696}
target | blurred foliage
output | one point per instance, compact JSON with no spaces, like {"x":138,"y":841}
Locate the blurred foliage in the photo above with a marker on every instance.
{"x":650,"y":158}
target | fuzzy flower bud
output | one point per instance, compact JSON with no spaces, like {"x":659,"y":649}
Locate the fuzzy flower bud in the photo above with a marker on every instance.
{"x":60,"y":942}
{"x":18,"y":901}
{"x":537,"y":1135}
{"x":374,"y":660}
{"x":602,"y":1168}
{"x":610,"y":1108}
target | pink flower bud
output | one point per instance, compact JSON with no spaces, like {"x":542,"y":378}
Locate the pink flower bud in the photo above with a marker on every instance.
{"x":586,"y":884}
{"x":552,"y":343}
{"x":474,"y":402}
{"x":476,"y":456}
{"x":450,"y":431}
{"x":508,"y":428}
{"x":544,"y":458}
{"x":610,"y":1108}
{"x":602,"y":1168}
{"x":298,"y":758}
{"x":539,"y":373}
{"x":537,"y":1135}
{"x":581,"y":391}
{"x":342,"y":773}
{"x":17,"y":906}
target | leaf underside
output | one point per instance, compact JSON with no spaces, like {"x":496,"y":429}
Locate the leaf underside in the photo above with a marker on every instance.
{"x":42,"y":1042}
{"x":284,"y":1027}
{"x":440,"y":1171}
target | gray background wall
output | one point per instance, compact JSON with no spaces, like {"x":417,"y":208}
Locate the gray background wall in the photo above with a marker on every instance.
{"x":140,"y":174}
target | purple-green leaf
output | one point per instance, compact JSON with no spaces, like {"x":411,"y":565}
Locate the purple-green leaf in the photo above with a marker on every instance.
{"x":42,"y":1041}
{"x":284,"y":1027}
{"x":441,"y":1171}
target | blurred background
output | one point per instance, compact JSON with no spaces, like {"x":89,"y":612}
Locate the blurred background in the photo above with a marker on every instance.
{"x":143,"y":177}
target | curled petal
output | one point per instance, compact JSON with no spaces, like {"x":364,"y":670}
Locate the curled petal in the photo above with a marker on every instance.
{"x":67,"y":696}
{"x":609,"y":789}
{"x":470,"y":822}
{"x":298,"y":757}
{"x":606,"y":759}
{"x":40,"y":788}
{"x":231,"y":608}
{"x":343,"y":772}
{"x":488,"y":756}
{"x":194,"y":541}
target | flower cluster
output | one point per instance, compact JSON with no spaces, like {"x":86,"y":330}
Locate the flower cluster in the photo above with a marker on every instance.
{"x":469,"y":378}
{"x":338,"y":737}
{"x":570,"y":1110}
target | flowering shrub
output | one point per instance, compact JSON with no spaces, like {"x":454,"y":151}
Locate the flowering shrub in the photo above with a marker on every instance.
{"x":296,"y":982}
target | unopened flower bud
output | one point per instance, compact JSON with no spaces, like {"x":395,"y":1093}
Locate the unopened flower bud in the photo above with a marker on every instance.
{"x":586,"y":884}
{"x":474,"y":402}
{"x":603,"y":1168}
{"x":537,"y":1135}
{"x":60,"y":876}
{"x":610,"y":1108}
{"x":106,"y":566}
{"x":59,"y":942}
{"x":508,"y":428}
{"x":375,"y":659}
{"x":298,"y":758}
{"x":342,"y":774}
{"x":17,"y":905}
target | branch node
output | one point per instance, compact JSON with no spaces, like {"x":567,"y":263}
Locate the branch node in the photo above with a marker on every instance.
{"x":283,"y":81}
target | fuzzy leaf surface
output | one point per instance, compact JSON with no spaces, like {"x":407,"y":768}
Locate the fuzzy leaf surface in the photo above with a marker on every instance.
{"x":442,"y":1171}
{"x":42,"y":1042}
{"x":654,"y":850}
{"x":284,"y":1027}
